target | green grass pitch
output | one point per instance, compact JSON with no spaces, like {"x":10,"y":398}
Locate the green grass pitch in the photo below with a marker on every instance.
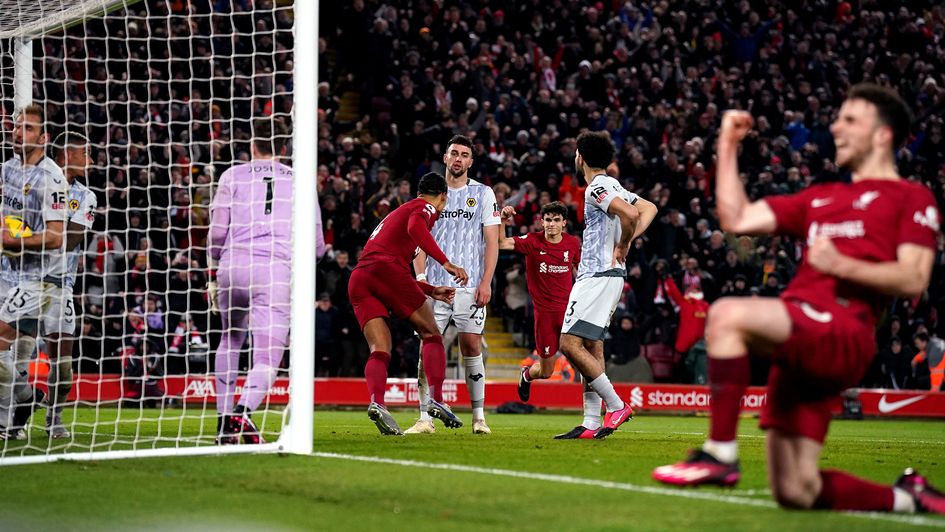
{"x":518,"y":478}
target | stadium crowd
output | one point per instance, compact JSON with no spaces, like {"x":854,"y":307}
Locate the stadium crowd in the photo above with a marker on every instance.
{"x":524,"y":78}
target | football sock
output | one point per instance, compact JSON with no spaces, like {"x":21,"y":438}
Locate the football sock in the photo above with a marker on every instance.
{"x":592,"y":406}
{"x":424,"y":392}
{"x":903,"y":501}
{"x":59,"y":384}
{"x":527,"y":374}
{"x":476,"y":384}
{"x":375,"y":373}
{"x":7,"y":378}
{"x":842,"y":491}
{"x":433,"y":359}
{"x":267,"y":355}
{"x":606,"y":391}
{"x":728,"y":378}
{"x":23,"y":348}
{"x":723,"y":451}
{"x":227,"y":364}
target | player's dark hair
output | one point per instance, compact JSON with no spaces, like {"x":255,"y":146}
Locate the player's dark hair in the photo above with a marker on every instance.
{"x":432,"y":184}
{"x":596,"y":148}
{"x":36,"y":110}
{"x":67,"y":139}
{"x":921,"y":336}
{"x":891,"y":109}
{"x":555,"y":207}
{"x":269,"y":135}
{"x":462,"y":140}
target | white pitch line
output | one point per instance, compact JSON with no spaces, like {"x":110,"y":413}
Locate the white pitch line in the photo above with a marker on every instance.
{"x":623,"y":486}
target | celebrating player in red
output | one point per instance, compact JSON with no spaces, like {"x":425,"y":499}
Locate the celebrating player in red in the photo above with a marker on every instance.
{"x":550,"y":258}
{"x":383,"y":283}
{"x":867,"y":240}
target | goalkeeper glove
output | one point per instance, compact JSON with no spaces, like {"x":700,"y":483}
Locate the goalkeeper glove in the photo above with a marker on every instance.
{"x":212,"y":292}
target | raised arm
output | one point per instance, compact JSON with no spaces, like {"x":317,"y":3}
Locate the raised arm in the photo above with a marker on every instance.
{"x":506,"y":243}
{"x":736,"y":213}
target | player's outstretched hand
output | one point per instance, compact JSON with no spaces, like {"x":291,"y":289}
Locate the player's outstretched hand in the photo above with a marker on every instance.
{"x":212,"y":292}
{"x":508,"y":212}
{"x":735,"y":125}
{"x":459,"y":274}
{"x":823,"y":255}
{"x":443,"y":293}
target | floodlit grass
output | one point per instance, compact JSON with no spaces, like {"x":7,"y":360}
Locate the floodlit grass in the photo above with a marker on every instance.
{"x":451,"y":480}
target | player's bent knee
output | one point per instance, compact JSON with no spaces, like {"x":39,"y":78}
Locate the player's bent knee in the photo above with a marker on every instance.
{"x":795,"y":493}
{"x":569,"y":344}
{"x":724,"y":318}
{"x":431,"y":338}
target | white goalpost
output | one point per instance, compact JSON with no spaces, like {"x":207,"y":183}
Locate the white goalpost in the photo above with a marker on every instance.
{"x":166,"y":92}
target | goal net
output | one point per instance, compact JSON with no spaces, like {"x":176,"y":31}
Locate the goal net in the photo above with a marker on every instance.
{"x":164,"y":97}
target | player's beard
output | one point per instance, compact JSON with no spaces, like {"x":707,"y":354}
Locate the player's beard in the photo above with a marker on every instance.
{"x":459,"y":174}
{"x":26,"y":151}
{"x":579,"y":170}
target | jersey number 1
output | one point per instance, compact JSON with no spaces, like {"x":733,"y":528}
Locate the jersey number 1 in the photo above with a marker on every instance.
{"x":269,"y":186}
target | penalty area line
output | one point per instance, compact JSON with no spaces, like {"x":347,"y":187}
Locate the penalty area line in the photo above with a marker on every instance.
{"x":623,"y":486}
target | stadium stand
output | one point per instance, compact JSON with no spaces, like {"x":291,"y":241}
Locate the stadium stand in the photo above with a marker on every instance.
{"x":523,"y":78}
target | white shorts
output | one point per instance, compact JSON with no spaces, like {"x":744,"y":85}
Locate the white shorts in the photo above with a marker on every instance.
{"x":59,"y":316}
{"x":463,"y":312}
{"x":591,"y":305}
{"x":24,"y":303}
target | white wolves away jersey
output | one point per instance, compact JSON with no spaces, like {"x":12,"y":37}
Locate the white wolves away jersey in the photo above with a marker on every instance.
{"x":81,"y":209}
{"x":458,"y":232}
{"x":37,"y":195}
{"x":602,"y":230}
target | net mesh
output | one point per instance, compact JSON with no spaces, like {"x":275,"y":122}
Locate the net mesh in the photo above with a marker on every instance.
{"x":166,"y":92}
{"x":34,"y":18}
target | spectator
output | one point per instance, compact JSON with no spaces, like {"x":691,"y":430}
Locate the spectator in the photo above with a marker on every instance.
{"x":327,"y":328}
{"x":928,"y":366}
{"x":624,"y":343}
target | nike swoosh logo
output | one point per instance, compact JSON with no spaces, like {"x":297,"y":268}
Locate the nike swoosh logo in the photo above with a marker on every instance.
{"x":820,"y":202}
{"x":886,"y":407}
{"x":822,"y":317}
{"x":542,"y":253}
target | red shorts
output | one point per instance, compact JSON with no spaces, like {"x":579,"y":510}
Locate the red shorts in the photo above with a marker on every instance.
{"x":378,"y":290}
{"x":547,"y":332}
{"x":826,"y":353}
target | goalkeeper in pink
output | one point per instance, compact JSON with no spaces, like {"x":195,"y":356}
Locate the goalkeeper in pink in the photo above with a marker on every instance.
{"x":250,"y":243}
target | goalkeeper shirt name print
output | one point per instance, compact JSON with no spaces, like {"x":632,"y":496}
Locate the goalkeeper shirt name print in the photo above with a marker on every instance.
{"x":251,"y":213}
{"x":459,"y":232}
{"x":602,"y":230}
{"x":37,"y":195}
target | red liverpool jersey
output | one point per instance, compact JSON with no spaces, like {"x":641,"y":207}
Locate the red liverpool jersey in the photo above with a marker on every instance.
{"x":548,"y":268}
{"x":867,"y":220}
{"x":396,"y":239}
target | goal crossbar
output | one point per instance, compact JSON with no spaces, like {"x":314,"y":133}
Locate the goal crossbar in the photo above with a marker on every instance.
{"x":38,"y":17}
